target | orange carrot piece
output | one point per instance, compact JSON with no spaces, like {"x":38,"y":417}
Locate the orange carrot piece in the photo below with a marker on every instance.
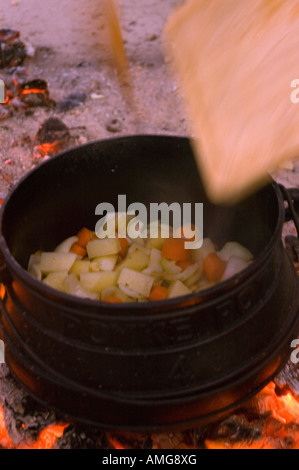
{"x":113,"y":300}
{"x":174,"y":249}
{"x":158,"y":293}
{"x":78,"y":250}
{"x":184,"y":264}
{"x":85,"y":235}
{"x":123,"y":246}
{"x":214,"y":267}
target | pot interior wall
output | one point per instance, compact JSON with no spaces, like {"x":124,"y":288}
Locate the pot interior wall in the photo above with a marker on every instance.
{"x":60,"y":197}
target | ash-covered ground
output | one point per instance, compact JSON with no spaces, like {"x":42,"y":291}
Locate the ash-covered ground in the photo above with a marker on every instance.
{"x":69,"y":48}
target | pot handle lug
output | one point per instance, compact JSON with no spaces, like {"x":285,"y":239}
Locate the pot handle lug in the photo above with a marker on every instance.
{"x":291,"y":196}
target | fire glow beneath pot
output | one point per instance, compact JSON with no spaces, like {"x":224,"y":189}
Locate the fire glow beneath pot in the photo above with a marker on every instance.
{"x":268,"y":421}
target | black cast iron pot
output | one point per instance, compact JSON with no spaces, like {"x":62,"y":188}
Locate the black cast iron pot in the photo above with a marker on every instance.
{"x":155,"y":365}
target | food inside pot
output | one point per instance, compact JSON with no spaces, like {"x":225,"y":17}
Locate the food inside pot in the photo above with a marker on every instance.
{"x":125,"y":269}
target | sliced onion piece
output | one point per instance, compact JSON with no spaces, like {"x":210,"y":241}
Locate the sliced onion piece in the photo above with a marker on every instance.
{"x":72,"y":286}
{"x":114,"y":292}
{"x":66,"y":245}
{"x":130,"y":292}
{"x":234,"y":266}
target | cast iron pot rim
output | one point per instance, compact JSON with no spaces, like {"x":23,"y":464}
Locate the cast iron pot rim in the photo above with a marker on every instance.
{"x":132,"y":308}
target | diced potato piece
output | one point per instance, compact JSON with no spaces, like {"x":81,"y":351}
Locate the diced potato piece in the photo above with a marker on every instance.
{"x":155,"y":243}
{"x":97,"y":282}
{"x":72,"y":286}
{"x":135,"y":246}
{"x":178,"y":289}
{"x":52,"y":261}
{"x":234,"y":250}
{"x":34,"y":258}
{"x":114,"y":292}
{"x":80,"y":266}
{"x":155,"y":258}
{"x":136,"y":282}
{"x":103,"y":247}
{"x":234,"y":266}
{"x":35,"y":271}
{"x":66,"y":245}
{"x":170,"y":266}
{"x":136,"y":260}
{"x":56,"y":280}
{"x":206,"y":248}
{"x":106,"y":263}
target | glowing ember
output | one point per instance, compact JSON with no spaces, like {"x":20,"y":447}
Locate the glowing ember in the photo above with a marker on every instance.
{"x":5,"y":440}
{"x":53,"y":135}
{"x":22,"y":94}
{"x":285,"y":408}
{"x":46,"y":438}
{"x":47,"y":148}
{"x":115,"y":443}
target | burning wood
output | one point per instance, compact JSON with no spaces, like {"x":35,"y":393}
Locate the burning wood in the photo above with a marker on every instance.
{"x":34,"y":93}
{"x":29,"y":94}
{"x":53,"y":136}
{"x":12,"y":50}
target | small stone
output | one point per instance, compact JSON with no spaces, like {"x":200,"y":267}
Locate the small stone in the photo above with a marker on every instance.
{"x":71,"y":101}
{"x":153,"y":37}
{"x":82,"y":139}
{"x":114,"y":125}
{"x":96,"y":96}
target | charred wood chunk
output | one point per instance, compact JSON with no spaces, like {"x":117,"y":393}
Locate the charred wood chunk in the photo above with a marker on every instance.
{"x":77,"y":437}
{"x":8,"y":35}
{"x":35,"y":93}
{"x":53,"y":136}
{"x":12,"y":54}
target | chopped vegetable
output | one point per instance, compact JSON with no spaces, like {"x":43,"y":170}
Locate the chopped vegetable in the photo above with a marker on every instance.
{"x":80,"y":266}
{"x":137,"y":283}
{"x":206,"y":248}
{"x":84,"y":236}
{"x":73,"y":286}
{"x":105,"y":263}
{"x":124,"y":244}
{"x":158,"y":293}
{"x":214,"y":267}
{"x":185,"y":264}
{"x":119,"y":270}
{"x":78,"y":250}
{"x":52,"y":261}
{"x":114,"y":300}
{"x":66,"y":245}
{"x":234,"y":266}
{"x":56,"y":280}
{"x":174,"y":249}
{"x":103,"y":247}
{"x":178,"y":289}
{"x":234,"y":250}
{"x":136,"y":260}
{"x":170,"y":267}
{"x":97,"y":282}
